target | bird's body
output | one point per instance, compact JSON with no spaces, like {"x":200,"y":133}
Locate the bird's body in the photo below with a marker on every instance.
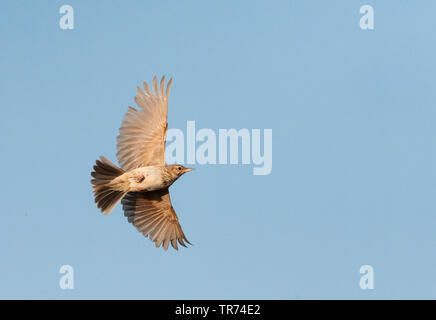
{"x":142,"y":182}
{"x":149,"y":178}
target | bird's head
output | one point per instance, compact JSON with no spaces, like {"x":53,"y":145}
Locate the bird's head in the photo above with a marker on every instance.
{"x":177,"y":170}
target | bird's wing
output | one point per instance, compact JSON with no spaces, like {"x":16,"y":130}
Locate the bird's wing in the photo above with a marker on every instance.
{"x":141,"y":141}
{"x":153,"y":215}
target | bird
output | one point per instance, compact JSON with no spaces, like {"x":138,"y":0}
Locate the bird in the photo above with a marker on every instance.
{"x":143,"y":179}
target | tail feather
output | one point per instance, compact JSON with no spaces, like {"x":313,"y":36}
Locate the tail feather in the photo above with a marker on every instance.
{"x":104,"y":173}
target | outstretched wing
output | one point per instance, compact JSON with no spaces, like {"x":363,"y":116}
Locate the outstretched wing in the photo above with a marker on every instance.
{"x":153,"y":215}
{"x":141,"y":141}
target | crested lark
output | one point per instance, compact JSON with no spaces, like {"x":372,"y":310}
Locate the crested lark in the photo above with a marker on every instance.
{"x":142,"y":181}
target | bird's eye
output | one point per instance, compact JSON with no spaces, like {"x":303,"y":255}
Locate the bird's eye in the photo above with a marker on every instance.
{"x":179,"y":168}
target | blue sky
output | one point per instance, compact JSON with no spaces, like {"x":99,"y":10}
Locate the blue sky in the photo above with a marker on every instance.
{"x":352,"y":114}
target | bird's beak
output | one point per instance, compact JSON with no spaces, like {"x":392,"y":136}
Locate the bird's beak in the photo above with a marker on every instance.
{"x":188,"y":169}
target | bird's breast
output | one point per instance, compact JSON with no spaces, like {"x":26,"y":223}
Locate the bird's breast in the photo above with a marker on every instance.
{"x":146,"y":179}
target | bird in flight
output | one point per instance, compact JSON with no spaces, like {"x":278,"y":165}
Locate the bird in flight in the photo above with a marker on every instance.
{"x":142,"y":182}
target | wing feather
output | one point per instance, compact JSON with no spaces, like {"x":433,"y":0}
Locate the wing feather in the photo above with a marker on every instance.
{"x":153,"y":215}
{"x":141,"y":139}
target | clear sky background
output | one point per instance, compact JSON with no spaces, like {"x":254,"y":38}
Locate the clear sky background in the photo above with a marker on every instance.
{"x":353,"y":116}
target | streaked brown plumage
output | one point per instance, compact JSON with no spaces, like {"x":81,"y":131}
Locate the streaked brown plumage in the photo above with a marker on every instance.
{"x":142,"y":181}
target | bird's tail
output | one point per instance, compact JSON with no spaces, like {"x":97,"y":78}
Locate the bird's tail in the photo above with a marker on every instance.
{"x":106,"y":196}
